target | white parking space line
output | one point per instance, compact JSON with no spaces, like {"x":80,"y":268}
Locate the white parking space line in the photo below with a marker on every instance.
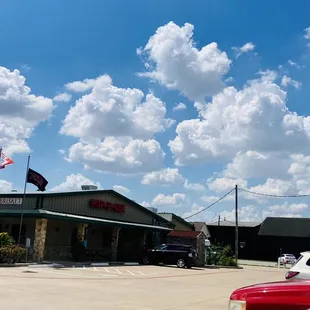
{"x":117,"y":271}
{"x":100,"y":272}
{"x":68,"y":274}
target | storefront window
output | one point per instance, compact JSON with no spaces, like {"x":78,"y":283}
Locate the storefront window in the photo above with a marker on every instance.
{"x":15,"y":233}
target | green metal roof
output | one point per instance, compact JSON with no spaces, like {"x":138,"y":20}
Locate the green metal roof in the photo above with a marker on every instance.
{"x":78,"y":218}
{"x":87,"y":192}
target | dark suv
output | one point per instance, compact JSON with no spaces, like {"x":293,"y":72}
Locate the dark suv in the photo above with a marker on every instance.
{"x":171,"y":254}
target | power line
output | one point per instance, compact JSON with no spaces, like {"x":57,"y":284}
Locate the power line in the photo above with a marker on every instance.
{"x":212,"y":204}
{"x":272,"y":195}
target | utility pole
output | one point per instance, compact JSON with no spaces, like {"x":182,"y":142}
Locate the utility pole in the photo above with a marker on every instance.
{"x":219,"y":221}
{"x":237,"y":230}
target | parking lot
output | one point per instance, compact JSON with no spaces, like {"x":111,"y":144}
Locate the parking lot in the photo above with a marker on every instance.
{"x":125,"y":287}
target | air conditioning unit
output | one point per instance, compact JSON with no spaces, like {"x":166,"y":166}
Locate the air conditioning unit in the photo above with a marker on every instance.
{"x":89,"y":187}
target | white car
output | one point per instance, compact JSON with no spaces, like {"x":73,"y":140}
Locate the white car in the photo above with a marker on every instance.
{"x":287,"y":259}
{"x":301,"y":269}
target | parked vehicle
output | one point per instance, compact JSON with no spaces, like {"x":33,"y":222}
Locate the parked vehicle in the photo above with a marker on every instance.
{"x":287,"y":259}
{"x":284,"y":295}
{"x":301,"y":270}
{"x":171,"y":254}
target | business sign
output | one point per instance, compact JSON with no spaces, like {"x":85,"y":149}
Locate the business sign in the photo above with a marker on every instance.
{"x":109,"y":206}
{"x":11,"y":201}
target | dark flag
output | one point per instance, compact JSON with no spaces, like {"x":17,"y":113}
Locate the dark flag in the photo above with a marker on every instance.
{"x":36,"y":179}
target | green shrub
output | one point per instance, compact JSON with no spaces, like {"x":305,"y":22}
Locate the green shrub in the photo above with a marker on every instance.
{"x":6,"y":239}
{"x":12,"y":254}
{"x":220,"y":255}
{"x":228,"y":261}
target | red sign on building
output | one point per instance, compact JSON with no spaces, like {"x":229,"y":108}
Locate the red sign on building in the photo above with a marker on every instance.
{"x":109,"y":206}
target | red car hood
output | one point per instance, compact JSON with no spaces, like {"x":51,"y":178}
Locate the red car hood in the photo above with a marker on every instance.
{"x":274,"y":291}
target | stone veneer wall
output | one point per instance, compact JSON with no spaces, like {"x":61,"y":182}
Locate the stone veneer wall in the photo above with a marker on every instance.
{"x":201,"y":250}
{"x":39,"y":239}
{"x":81,"y":232}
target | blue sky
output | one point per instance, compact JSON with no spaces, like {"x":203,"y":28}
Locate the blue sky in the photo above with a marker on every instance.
{"x":141,"y":59}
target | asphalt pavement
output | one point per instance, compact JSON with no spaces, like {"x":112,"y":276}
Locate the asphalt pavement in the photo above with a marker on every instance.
{"x":125,"y":287}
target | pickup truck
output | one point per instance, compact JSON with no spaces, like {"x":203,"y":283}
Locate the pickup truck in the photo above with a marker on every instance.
{"x":287,"y":295}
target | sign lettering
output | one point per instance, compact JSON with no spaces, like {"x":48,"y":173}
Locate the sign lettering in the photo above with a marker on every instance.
{"x":11,"y":201}
{"x":109,"y":206}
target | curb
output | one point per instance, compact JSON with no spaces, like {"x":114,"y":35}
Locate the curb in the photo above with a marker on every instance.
{"x":46,"y":266}
{"x":222,"y":267}
{"x":76,"y":265}
{"x":69,"y":265}
{"x":14,"y":265}
{"x":114,"y":264}
{"x":264,"y":266}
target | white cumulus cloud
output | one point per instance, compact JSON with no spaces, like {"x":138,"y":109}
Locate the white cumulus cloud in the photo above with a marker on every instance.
{"x":81,"y":86}
{"x":5,"y":186}
{"x":145,"y":204}
{"x":74,"y":182}
{"x":123,"y":156}
{"x":63,"y":97}
{"x":174,"y":61}
{"x":286,"y":81}
{"x":112,"y":111}
{"x":255,"y":118}
{"x":179,"y":106}
{"x":225,"y":184}
{"x":307,"y":34}
{"x":20,"y":111}
{"x":246,"y":214}
{"x":203,"y":216}
{"x":253,"y":213}
{"x":165,"y":176}
{"x":121,"y":189}
{"x":209,"y":199}
{"x":275,"y":187}
{"x":247,"y":47}
{"x":115,"y":127}
{"x":294,"y":64}
{"x":193,"y":186}
{"x":175,"y":199}
{"x":289,"y":208}
{"x":253,"y":164}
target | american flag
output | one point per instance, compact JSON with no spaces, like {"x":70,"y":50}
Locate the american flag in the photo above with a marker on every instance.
{"x":4,"y":160}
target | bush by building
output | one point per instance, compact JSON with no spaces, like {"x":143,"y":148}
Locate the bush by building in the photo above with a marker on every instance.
{"x":5,"y":239}
{"x":10,"y":253}
{"x":220,"y":255}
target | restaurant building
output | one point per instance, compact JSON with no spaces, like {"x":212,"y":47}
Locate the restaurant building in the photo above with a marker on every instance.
{"x":105,"y":221}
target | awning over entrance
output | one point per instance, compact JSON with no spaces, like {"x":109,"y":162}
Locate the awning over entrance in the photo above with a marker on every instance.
{"x":78,"y":218}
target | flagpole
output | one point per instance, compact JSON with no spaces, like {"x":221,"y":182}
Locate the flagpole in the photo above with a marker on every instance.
{"x":23,"y":201}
